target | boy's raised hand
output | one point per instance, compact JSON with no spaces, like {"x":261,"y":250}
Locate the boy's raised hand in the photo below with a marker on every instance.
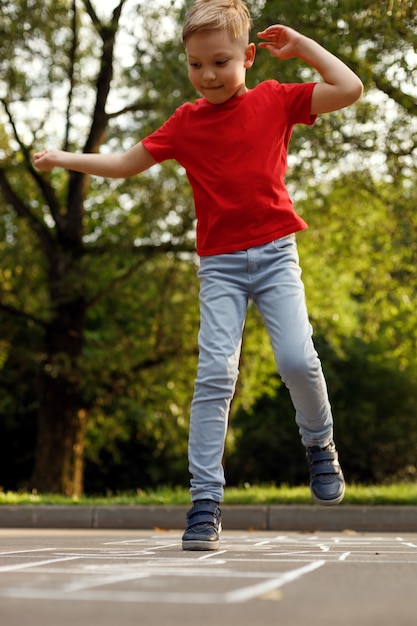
{"x":281,"y":41}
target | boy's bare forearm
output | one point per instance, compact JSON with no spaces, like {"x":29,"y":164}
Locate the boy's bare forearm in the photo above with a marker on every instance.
{"x":95,"y":164}
{"x":136,"y":160}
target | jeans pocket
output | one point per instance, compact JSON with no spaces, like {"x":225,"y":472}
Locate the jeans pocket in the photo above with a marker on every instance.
{"x":284,"y":242}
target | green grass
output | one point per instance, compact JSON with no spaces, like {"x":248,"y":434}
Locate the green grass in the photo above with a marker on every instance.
{"x":403,"y":493}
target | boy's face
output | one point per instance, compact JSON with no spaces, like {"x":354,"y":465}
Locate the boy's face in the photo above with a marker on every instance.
{"x":217,"y":65}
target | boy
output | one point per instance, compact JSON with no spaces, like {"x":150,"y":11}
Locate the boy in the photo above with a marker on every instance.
{"x":233,"y":143}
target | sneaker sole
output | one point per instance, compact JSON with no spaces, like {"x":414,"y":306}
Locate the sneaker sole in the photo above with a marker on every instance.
{"x":200,"y":545}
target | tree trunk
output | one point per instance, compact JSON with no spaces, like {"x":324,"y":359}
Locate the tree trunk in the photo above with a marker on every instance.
{"x":60,"y":439}
{"x":62,"y":415}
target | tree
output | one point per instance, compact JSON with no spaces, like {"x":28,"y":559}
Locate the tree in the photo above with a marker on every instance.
{"x":49,"y":220}
{"x":361,"y":287}
{"x":99,"y":295}
{"x":354,"y":180}
{"x":95,"y":275}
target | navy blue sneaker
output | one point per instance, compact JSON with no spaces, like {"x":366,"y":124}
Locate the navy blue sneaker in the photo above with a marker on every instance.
{"x":327,"y":483}
{"x":203,"y":526}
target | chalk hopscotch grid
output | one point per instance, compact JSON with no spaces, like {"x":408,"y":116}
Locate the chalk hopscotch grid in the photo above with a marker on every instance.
{"x":156,"y":570}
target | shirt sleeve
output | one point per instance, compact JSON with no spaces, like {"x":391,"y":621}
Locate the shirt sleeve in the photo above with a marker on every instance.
{"x":297,"y":98}
{"x":161,"y":143}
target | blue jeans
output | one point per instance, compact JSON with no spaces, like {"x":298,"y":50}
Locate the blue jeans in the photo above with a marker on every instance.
{"x":270,"y":275}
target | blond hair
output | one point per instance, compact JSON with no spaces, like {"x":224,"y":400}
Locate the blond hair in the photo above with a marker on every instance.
{"x":230,"y":15}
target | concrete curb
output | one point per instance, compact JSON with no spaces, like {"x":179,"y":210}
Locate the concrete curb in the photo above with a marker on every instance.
{"x":307,"y":518}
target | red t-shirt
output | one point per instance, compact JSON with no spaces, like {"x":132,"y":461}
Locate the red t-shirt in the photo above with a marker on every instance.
{"x":235,"y":157}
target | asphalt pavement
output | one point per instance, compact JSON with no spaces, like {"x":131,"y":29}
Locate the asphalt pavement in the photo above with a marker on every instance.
{"x":52,"y":577}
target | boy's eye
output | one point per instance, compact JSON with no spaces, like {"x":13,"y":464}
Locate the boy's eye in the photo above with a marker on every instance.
{"x":196,"y":65}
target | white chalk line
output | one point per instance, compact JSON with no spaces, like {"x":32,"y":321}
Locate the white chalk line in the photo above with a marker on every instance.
{"x":21,"y":566}
{"x":89,"y":576}
{"x":248,"y":593}
{"x":12,"y":552}
{"x":240,"y":595}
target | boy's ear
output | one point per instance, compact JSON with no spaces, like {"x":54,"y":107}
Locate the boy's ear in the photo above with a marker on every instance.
{"x":250,"y":53}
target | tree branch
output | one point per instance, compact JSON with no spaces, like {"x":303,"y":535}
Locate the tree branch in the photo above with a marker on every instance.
{"x":45,"y":188}
{"x":22,"y":210}
{"x":14,"y":312}
{"x":122,"y":381}
{"x":72,"y":57}
{"x":407,"y":102}
{"x":148,"y":252}
{"x":132,"y":108}
{"x":93,"y":15}
{"x":78,"y":183}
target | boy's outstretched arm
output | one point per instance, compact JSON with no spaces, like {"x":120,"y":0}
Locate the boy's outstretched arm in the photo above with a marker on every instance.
{"x":340,"y":87}
{"x":123,"y":165}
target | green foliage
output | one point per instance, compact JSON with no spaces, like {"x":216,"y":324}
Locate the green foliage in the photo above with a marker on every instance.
{"x":263,"y":495}
{"x":359,"y":258}
{"x":353,"y":178}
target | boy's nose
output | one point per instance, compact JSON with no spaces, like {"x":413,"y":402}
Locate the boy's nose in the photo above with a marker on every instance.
{"x":209,"y":74}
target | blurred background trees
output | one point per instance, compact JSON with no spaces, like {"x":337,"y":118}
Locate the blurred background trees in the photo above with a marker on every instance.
{"x":98,"y":289}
